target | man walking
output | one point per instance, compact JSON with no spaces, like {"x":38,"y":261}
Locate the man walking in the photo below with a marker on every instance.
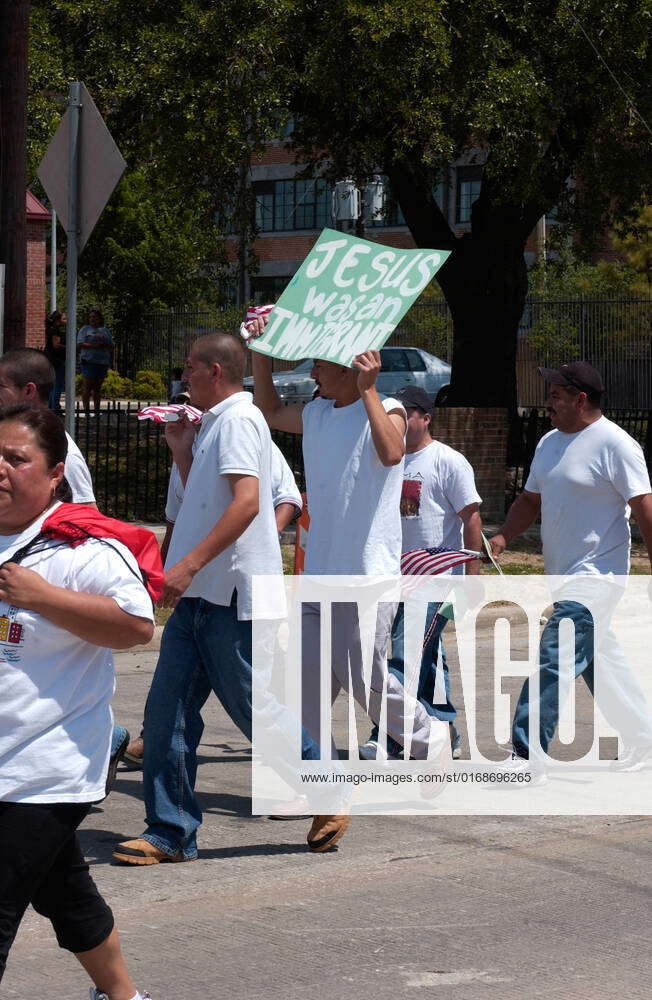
{"x":353,"y":447}
{"x":586,"y":476}
{"x":225,"y":532}
{"x":26,"y":376}
{"x":439,"y":507}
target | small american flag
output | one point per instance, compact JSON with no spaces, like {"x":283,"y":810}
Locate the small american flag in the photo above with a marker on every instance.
{"x":254,"y":312}
{"x":429,"y":562}
{"x":166,"y":414}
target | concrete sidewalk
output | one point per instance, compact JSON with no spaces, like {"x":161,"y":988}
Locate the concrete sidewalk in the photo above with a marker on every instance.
{"x":453,"y":908}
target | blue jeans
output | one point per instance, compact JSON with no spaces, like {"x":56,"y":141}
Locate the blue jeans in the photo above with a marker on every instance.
{"x":204,"y":648}
{"x":622,"y":701}
{"x":428,"y":672}
{"x":54,"y":401}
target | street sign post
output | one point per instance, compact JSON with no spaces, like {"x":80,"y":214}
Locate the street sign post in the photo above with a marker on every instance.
{"x":79,"y":172}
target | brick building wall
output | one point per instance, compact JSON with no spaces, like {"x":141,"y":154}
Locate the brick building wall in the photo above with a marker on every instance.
{"x":38,"y":220}
{"x":480,"y":433}
{"x":36,"y":302}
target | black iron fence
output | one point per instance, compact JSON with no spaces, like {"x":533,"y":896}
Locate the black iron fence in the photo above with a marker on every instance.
{"x":129,"y":460}
{"x":614,"y":334}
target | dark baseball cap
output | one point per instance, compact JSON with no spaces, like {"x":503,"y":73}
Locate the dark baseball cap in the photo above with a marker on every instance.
{"x":580,"y":374}
{"x":413,"y":395}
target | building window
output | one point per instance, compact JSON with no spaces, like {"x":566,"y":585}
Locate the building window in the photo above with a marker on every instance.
{"x":469,"y":180}
{"x":295,"y":204}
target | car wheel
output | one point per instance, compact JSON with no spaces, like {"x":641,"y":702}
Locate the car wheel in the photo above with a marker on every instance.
{"x":442,"y":396}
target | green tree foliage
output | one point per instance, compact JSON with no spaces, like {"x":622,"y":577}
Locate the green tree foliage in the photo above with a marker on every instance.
{"x":407,"y":88}
{"x":189,"y":89}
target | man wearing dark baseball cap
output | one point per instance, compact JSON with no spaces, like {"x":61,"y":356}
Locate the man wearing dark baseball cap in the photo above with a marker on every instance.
{"x":415,"y":396}
{"x":439,"y":507}
{"x":586,"y":476}
{"x":578,"y":375}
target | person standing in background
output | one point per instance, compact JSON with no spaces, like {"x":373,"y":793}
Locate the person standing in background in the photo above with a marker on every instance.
{"x":95,"y":344}
{"x":55,"y":352}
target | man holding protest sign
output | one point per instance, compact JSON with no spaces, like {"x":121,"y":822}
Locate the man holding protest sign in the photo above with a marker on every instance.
{"x":353,"y":445}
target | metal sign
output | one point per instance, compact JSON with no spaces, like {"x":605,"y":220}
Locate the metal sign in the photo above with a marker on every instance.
{"x":100,"y":167}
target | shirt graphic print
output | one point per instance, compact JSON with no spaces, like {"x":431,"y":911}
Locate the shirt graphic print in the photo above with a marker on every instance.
{"x":411,"y":497}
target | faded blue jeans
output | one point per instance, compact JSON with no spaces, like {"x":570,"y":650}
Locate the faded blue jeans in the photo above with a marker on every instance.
{"x":428,"y":673}
{"x":622,"y":701}
{"x":204,"y":648}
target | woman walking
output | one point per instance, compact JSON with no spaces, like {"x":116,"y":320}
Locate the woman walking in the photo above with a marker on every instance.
{"x":61,"y":610}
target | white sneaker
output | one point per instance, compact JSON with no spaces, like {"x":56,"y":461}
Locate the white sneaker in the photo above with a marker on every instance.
{"x":94,"y":994}
{"x":633,"y":758}
{"x":532,"y":777}
{"x":372,"y":750}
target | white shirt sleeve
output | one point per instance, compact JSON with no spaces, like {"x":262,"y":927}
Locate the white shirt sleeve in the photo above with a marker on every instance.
{"x":174,"y":496}
{"x":628,"y":470}
{"x":78,"y":476}
{"x":239,"y":448}
{"x":108,"y":568}
{"x":284,"y":487}
{"x":460,"y":488}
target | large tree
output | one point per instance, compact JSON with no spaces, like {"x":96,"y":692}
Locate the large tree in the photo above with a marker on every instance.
{"x":550,"y":91}
{"x":13,"y":225}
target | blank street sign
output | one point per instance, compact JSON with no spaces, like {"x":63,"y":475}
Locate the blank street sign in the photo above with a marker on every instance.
{"x":101,"y":166}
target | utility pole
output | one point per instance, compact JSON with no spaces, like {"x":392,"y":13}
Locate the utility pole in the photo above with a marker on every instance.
{"x":72,"y":252}
{"x":14,"y":27}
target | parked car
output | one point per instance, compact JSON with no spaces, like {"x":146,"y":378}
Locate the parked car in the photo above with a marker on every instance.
{"x":400,"y":366}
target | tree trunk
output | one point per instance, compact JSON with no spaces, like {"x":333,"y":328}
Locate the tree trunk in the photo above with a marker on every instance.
{"x":484,"y":282}
{"x":14,"y":23}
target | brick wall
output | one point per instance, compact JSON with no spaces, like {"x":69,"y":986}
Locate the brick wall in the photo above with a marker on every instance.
{"x":36,"y":291}
{"x":480,"y":433}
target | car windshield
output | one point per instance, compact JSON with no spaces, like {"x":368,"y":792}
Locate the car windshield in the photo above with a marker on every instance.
{"x":305,"y":366}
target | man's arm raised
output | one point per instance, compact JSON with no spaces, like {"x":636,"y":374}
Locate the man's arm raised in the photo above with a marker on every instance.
{"x":266,"y":398}
{"x":387,"y":429}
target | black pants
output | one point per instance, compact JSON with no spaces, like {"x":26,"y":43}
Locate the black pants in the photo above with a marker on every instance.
{"x":41,"y":863}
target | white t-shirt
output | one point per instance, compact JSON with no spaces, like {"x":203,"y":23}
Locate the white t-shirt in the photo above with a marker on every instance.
{"x":233,"y":439}
{"x":55,"y":717}
{"x":284,"y":487}
{"x":353,"y":499}
{"x":77,"y":474}
{"x":585,"y":480}
{"x":437,"y":483}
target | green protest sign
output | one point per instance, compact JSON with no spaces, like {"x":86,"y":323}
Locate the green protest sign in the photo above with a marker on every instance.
{"x":347,"y":297}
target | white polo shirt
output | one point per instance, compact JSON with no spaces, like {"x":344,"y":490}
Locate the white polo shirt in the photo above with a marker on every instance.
{"x":233,"y":439}
{"x":284,"y":486}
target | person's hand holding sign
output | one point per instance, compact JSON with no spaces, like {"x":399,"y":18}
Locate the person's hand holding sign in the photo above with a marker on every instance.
{"x":368,"y":365}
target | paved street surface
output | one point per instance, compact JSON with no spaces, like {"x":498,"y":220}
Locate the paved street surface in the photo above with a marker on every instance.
{"x":461,"y":908}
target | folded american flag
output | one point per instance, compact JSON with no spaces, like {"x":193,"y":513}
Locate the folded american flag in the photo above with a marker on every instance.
{"x":253,"y":312}
{"x":423,"y":562}
{"x":166,"y":414}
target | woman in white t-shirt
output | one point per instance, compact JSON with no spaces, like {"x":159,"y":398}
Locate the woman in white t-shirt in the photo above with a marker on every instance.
{"x":62,"y":609}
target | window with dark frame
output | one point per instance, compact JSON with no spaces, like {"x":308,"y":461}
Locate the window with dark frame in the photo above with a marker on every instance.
{"x":469,"y":180}
{"x":292,"y":204}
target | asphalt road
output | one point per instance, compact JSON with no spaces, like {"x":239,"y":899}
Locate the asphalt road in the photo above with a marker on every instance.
{"x":465,"y":908}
